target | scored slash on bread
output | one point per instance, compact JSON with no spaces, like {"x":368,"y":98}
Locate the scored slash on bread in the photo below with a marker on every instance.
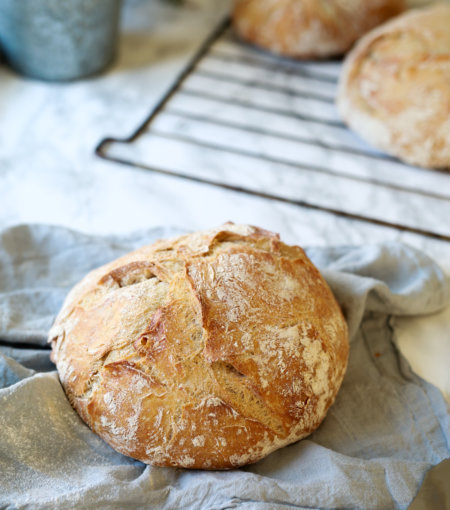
{"x":207,"y":351}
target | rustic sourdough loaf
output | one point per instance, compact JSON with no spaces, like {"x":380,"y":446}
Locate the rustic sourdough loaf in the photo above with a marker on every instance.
{"x":208,"y":351}
{"x":395,"y":87}
{"x":310,"y":28}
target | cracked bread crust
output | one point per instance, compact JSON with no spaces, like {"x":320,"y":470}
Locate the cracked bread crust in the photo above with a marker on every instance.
{"x":310,"y":28}
{"x":395,"y":87}
{"x":206,"y":351}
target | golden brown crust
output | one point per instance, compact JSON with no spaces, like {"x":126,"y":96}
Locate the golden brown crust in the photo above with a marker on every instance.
{"x":395,"y":87}
{"x":206,"y":351}
{"x":310,"y":28}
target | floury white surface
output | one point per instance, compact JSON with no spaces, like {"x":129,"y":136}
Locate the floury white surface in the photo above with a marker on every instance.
{"x":270,"y":126}
{"x":49,"y":173}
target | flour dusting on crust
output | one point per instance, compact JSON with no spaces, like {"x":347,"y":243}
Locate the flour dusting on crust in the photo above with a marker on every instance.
{"x":205,"y":351}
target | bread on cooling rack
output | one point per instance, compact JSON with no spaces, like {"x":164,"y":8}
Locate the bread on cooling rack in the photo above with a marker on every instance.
{"x":208,"y":351}
{"x":395,"y":87}
{"x":310,"y":28}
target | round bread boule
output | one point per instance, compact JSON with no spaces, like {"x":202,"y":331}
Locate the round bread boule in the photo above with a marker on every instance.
{"x":310,"y":28}
{"x":395,"y":87}
{"x":208,"y":351}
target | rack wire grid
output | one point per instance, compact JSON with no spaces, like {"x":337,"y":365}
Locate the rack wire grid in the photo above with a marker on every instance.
{"x":250,"y":122}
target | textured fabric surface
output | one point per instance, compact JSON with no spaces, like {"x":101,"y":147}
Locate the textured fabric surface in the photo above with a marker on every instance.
{"x":385,"y":431}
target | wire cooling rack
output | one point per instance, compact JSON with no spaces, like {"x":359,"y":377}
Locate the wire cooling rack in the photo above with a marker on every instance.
{"x":246,"y":121}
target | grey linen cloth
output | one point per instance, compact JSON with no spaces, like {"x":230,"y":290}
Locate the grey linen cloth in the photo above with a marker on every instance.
{"x":385,"y":431}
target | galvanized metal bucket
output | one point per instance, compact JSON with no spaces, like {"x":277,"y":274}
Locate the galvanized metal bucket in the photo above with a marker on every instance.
{"x":59,"y":39}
